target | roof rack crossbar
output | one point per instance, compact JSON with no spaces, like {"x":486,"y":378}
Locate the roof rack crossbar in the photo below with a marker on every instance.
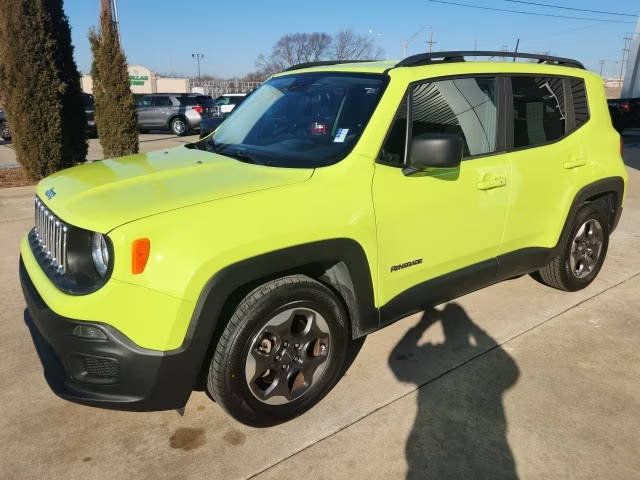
{"x":321,"y":63}
{"x":458,"y":56}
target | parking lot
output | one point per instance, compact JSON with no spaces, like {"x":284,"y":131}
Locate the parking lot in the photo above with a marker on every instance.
{"x":148,"y":143}
{"x":514,"y":381}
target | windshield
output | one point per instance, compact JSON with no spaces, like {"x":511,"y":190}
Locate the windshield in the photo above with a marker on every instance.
{"x":301,"y":121}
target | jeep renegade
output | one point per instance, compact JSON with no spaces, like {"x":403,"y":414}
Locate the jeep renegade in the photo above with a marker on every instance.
{"x":337,"y":199}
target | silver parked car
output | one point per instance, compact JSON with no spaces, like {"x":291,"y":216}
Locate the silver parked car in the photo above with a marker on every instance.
{"x":4,"y":127}
{"x":178,"y":112}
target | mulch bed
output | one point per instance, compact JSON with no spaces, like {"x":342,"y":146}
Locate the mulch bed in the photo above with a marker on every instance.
{"x":14,"y":177}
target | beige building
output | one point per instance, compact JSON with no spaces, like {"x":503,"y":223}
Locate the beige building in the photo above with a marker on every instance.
{"x":143,"y":80}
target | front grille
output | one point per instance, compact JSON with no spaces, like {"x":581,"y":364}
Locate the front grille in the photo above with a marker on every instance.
{"x":51,"y":236}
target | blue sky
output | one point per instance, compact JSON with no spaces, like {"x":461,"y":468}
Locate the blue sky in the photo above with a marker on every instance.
{"x":163,"y":34}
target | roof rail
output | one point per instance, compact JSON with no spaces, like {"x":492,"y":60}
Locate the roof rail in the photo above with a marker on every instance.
{"x":321,"y":63}
{"x":458,"y":56}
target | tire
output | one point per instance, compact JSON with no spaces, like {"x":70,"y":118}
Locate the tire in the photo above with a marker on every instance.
{"x":179,"y":127}
{"x":243,"y":372}
{"x":4,"y":131}
{"x":563,"y":273}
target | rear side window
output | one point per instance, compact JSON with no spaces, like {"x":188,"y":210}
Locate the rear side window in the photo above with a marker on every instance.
{"x":162,"y":102}
{"x":464,"y":106}
{"x":580,"y":103}
{"x":538,"y":110}
{"x":191,"y":101}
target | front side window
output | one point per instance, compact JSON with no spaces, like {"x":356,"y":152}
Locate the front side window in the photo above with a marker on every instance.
{"x":538,"y":110}
{"x":300,"y":120}
{"x":144,"y":102}
{"x":464,"y":106}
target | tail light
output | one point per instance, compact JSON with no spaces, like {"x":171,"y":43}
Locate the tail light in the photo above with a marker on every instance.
{"x":197,"y":108}
{"x":625,"y":107}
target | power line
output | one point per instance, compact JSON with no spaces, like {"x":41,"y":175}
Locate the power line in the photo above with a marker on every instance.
{"x":571,"y":8}
{"x":529,"y":13}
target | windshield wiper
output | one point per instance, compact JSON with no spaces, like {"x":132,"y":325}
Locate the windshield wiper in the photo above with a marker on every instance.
{"x":243,"y":157}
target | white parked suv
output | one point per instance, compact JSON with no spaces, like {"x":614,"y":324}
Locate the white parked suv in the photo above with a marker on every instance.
{"x":228,"y":101}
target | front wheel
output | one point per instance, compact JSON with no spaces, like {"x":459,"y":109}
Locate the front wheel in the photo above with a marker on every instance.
{"x":4,"y":131}
{"x":179,"y":126}
{"x":284,"y":348}
{"x":582,"y":254}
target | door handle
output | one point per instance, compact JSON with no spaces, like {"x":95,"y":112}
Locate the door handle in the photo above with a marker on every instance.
{"x":490,"y":182}
{"x":578,"y":162}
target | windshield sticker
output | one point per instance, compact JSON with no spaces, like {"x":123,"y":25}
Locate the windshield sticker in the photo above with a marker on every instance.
{"x":341,"y":135}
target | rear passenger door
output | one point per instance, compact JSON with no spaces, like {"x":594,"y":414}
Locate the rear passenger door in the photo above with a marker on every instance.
{"x":161,"y":111}
{"x":548,"y":160}
{"x":438,"y":231}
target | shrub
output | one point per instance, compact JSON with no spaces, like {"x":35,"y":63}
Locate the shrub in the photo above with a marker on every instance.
{"x":40,"y":86}
{"x":115,"y":113}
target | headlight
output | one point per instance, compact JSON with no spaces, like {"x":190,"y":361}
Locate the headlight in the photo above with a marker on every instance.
{"x":99,"y":253}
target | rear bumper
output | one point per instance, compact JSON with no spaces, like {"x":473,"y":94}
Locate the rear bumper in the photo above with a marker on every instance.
{"x":111,"y":372}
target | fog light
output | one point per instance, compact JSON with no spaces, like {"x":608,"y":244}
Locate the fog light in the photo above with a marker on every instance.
{"x":86,"y":331}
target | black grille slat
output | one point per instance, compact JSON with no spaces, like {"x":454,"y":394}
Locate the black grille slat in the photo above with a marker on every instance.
{"x":51,"y":234}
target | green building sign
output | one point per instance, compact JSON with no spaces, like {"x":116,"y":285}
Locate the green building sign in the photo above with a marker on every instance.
{"x":138,"y":79}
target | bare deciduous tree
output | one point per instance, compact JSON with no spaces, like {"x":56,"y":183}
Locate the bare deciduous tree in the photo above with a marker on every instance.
{"x":348,"y":45}
{"x":295,"y":48}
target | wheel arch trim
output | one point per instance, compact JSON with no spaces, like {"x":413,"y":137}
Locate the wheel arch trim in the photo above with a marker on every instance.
{"x":606,"y":185}
{"x":348,"y":273}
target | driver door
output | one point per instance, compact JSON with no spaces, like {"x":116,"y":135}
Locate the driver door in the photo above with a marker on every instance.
{"x":439,"y":230}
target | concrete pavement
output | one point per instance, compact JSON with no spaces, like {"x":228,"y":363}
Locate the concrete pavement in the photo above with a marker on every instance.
{"x":517,"y":380}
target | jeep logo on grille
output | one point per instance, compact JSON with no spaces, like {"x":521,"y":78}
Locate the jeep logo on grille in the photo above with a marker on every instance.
{"x":50,"y":193}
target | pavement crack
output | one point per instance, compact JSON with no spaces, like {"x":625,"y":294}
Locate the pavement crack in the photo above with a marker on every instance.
{"x":439,"y":376}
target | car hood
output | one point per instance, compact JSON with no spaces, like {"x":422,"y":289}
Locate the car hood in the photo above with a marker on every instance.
{"x":102,"y":195}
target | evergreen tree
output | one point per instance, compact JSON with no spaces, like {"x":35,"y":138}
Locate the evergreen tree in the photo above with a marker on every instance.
{"x":115,"y":113}
{"x":40,"y":86}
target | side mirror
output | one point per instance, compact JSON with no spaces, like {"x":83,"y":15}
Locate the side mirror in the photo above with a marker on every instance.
{"x":435,"y":150}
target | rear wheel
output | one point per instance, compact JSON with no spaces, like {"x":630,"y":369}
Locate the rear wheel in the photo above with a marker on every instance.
{"x":583,"y":252}
{"x":179,"y":126}
{"x":284,"y":348}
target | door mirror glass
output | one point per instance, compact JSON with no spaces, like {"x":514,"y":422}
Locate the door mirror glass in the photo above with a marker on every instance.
{"x":435,"y":150}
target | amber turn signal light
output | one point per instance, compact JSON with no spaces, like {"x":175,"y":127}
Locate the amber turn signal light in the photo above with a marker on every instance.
{"x":139,"y":255}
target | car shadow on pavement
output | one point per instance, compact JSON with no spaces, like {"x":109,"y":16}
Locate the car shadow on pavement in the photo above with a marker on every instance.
{"x":460,"y":427}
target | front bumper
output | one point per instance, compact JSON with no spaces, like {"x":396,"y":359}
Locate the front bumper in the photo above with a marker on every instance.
{"x":112,"y":372}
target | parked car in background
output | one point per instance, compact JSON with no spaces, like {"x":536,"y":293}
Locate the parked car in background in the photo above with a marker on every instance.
{"x":5,"y":134}
{"x":89,"y":112}
{"x":228,"y":101}
{"x":625,"y":113}
{"x":178,"y":112}
{"x":213,"y":114}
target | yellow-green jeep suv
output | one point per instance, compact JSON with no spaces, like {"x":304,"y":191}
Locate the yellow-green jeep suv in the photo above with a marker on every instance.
{"x":335,"y":200}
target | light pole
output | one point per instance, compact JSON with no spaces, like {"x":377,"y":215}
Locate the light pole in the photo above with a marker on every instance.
{"x":114,"y":16}
{"x":198,"y":57}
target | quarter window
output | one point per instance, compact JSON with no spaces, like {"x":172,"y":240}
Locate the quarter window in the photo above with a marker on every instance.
{"x":538,"y":110}
{"x":580,"y":104}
